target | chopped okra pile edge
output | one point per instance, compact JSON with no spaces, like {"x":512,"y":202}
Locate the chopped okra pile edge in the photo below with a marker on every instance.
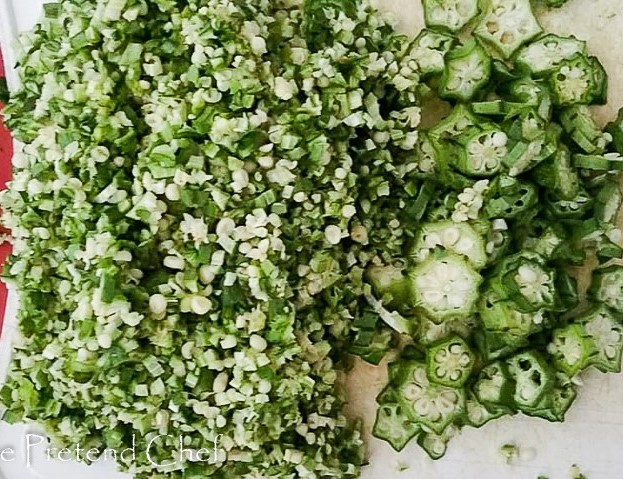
{"x":217,"y":202}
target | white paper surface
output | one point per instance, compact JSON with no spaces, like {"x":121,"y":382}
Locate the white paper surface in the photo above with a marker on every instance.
{"x":592,"y":437}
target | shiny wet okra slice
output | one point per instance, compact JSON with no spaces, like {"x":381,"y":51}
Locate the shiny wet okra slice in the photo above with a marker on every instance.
{"x":457,"y":238}
{"x":451,"y":15}
{"x":445,"y":286}
{"x":449,"y":362}
{"x":431,"y":405}
{"x":482,"y":153}
{"x":436,"y":445}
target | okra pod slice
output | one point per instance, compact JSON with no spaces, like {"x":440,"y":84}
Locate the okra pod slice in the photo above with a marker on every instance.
{"x":572,"y":349}
{"x":507,"y":25}
{"x":605,"y":329}
{"x":477,"y":414}
{"x":457,"y":238}
{"x":509,"y":205}
{"x":577,"y":121}
{"x":615,"y":129}
{"x":450,"y":362}
{"x":467,"y":70}
{"x":576,"y":208}
{"x":430,"y":405}
{"x":543,"y":55}
{"x":574,"y":82}
{"x":428,"y":51}
{"x":555,"y":405}
{"x":390,"y":285}
{"x":482,"y":154}
{"x":394,"y":426}
{"x":607,"y":287}
{"x":436,"y":445}
{"x":533,"y":377}
{"x":607,"y":162}
{"x":445,"y":286}
{"x":494,"y":387}
{"x":558,"y":175}
{"x":451,"y":15}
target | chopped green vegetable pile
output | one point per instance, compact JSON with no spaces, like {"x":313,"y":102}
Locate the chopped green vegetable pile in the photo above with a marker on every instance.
{"x":217,"y":200}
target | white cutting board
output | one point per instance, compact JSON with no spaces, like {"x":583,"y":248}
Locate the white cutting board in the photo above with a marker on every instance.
{"x":592,"y":437}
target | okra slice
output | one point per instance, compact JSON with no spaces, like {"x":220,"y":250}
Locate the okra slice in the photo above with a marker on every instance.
{"x":460,"y":120}
{"x":607,"y":162}
{"x":533,"y":378}
{"x":543,"y":55}
{"x":428,"y":51}
{"x":578,"y":123}
{"x":600,"y":95}
{"x":426,"y":157}
{"x":577,"y":208}
{"x":450,"y":362}
{"x":433,"y":406}
{"x":558,"y":175}
{"x":477,"y":415}
{"x":494,"y":387}
{"x":529,"y":283}
{"x":554,"y":406}
{"x":607,"y":287}
{"x":467,"y":70}
{"x":606,"y":330}
{"x":429,"y":332}
{"x":507,"y":25}
{"x":608,"y":202}
{"x":574,"y":82}
{"x":436,"y":445}
{"x":390,"y":285}
{"x":394,"y":426}
{"x":458,"y":238}
{"x":504,"y":316}
{"x":493,"y":345}
{"x":572,"y":349}
{"x":483,"y":153}
{"x":615,"y":129}
{"x":445,"y":286}
{"x":450,"y":15}
{"x":508,"y":204}
{"x":533,"y":93}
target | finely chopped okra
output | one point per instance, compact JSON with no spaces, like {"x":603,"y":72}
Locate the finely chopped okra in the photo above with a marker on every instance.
{"x":216,"y":200}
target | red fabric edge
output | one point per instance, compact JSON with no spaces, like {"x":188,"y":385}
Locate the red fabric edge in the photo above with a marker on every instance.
{"x":6,"y":153}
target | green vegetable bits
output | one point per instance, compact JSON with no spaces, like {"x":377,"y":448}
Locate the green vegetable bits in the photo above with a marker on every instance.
{"x":526,"y":186}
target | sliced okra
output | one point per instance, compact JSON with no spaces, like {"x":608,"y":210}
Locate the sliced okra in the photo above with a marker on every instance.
{"x":445,"y":286}
{"x":578,"y":123}
{"x":450,"y":362}
{"x":605,"y":329}
{"x":533,"y":93}
{"x":615,"y":129}
{"x":494,"y":387}
{"x":555,"y":405}
{"x":558,"y":175}
{"x":576,"y":208}
{"x":533,"y":378}
{"x":428,"y":51}
{"x":451,"y":15}
{"x":430,"y":405}
{"x":458,"y":238}
{"x":394,"y":426}
{"x":436,"y":445}
{"x":477,"y":414}
{"x":483,"y":153}
{"x":467,"y":70}
{"x":391,"y":285}
{"x":507,"y":25}
{"x":574,"y":82}
{"x":572,"y":349}
{"x":543,"y":55}
{"x":607,"y":287}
